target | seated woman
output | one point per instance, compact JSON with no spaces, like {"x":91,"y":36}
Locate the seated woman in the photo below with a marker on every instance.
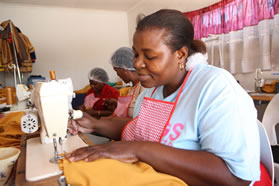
{"x":95,"y":102}
{"x":122,"y":62}
{"x":198,"y":125}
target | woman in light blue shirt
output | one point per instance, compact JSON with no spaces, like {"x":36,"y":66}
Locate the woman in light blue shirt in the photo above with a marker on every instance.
{"x":194,"y":123}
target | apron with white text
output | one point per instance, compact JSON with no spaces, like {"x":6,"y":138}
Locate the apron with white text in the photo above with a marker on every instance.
{"x":153,"y":118}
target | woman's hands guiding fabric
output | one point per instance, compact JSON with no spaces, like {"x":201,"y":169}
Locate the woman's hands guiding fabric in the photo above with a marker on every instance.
{"x":120,"y":150}
{"x":83,"y":125}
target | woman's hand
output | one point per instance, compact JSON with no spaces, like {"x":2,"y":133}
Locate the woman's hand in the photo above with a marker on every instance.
{"x":82,"y":108}
{"x":74,"y":128}
{"x":111,"y":104}
{"x":120,"y":150}
{"x":84,"y":125}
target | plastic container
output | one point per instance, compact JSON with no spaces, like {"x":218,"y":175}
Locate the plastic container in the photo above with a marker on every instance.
{"x":32,"y":80}
{"x":8,"y":157}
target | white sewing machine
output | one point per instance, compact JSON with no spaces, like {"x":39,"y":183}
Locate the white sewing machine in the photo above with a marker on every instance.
{"x":53,"y":102}
{"x":261,"y":76}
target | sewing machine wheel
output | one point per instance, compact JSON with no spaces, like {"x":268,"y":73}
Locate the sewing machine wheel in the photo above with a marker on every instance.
{"x":29,"y":123}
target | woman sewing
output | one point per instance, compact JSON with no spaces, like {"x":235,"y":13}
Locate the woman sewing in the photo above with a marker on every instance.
{"x":96,"y":102}
{"x":122,"y":62}
{"x":198,"y":124}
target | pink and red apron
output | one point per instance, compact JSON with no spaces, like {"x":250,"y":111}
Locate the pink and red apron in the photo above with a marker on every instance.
{"x":89,"y":101}
{"x":123,"y":104}
{"x":152,"y":120}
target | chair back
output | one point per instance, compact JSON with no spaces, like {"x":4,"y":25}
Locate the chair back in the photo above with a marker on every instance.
{"x":266,"y":156}
{"x":271,"y":118}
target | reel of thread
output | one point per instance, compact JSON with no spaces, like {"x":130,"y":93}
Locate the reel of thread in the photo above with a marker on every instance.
{"x":52,"y":75}
{"x":10,"y":94}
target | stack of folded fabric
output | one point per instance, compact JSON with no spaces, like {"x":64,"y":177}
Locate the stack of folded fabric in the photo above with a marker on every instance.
{"x":10,"y":131}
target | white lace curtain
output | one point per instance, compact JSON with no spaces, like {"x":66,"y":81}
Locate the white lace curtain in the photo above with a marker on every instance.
{"x":245,"y":50}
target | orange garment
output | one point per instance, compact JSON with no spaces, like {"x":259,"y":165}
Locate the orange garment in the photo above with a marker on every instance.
{"x":22,"y":46}
{"x":6,"y":54}
{"x":269,"y":87}
{"x":84,"y":90}
{"x":10,"y":131}
{"x":124,"y":91}
{"x":108,"y":172}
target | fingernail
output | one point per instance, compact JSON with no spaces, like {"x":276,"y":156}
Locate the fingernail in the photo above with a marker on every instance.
{"x":86,"y":159}
{"x":71,"y":159}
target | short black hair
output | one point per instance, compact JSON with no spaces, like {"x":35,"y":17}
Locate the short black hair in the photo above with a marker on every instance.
{"x":180,"y":32}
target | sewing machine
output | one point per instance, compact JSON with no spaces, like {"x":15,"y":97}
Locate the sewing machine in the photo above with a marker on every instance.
{"x":261,"y":76}
{"x":53,"y":103}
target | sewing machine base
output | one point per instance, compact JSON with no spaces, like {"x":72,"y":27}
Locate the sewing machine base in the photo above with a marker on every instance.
{"x":38,"y":155}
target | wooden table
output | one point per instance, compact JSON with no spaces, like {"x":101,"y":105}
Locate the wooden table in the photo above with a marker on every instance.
{"x":262,"y":96}
{"x":20,"y":167}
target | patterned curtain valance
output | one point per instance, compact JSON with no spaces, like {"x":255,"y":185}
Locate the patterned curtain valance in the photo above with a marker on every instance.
{"x":231,"y":15}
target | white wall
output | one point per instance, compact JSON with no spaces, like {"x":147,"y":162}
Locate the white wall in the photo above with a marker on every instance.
{"x":247,"y":81}
{"x":69,"y":41}
{"x":147,"y":7}
{"x":72,"y":41}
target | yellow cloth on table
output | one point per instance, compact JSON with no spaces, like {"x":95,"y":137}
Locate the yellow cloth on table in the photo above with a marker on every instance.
{"x":10,"y":131}
{"x":109,"y":172}
{"x":269,"y":87}
{"x":84,"y":90}
{"x":124,"y":91}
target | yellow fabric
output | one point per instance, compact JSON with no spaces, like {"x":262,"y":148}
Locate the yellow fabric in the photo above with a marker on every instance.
{"x":119,"y":83}
{"x":124,"y":91}
{"x":108,"y":172}
{"x":84,"y":90}
{"x":269,"y":87}
{"x":10,"y":132}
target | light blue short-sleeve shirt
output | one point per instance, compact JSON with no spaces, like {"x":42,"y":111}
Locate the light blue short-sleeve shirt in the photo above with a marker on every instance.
{"x":215,"y":114}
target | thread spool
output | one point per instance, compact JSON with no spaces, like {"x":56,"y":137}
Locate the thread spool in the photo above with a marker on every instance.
{"x":10,"y":96}
{"x":52,"y":75}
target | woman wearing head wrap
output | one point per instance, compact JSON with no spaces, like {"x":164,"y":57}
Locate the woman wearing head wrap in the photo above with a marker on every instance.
{"x":122,"y":62}
{"x":100,"y":92}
